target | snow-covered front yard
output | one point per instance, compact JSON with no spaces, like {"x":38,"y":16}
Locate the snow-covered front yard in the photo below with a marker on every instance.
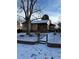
{"x":24,"y":37}
{"x":54,"y":38}
{"x":51,"y":37}
{"x":39,"y":51}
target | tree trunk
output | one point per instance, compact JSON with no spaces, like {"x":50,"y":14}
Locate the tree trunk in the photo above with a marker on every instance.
{"x":28,"y":27}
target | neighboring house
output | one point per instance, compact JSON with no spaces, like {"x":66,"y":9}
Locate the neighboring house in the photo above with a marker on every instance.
{"x":24,"y":26}
{"x":52,"y":27}
{"x":37,"y":25}
{"x":18,"y":25}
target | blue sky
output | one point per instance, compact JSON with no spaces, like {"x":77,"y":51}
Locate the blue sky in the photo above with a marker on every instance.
{"x":50,"y":7}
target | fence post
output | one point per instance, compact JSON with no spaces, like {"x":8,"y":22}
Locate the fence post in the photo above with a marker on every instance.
{"x":38,"y":37}
{"x":46,"y":38}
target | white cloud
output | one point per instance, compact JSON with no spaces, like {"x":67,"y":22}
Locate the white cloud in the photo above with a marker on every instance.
{"x":54,"y":19}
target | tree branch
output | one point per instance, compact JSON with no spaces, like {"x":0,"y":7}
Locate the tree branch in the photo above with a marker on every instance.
{"x":35,"y":19}
{"x":34,"y":2}
{"x":32,"y":6}
{"x":23,"y":6}
{"x":21,"y":16}
{"x":36,"y":11}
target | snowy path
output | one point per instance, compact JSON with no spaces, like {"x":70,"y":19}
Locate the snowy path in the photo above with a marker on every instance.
{"x":37,"y":52}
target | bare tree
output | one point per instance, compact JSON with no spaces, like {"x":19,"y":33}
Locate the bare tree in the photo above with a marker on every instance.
{"x":28,"y":7}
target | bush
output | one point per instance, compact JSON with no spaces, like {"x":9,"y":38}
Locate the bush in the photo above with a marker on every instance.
{"x":19,"y":30}
{"x":58,"y":30}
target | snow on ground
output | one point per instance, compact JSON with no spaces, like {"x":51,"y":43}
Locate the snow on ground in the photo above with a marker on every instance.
{"x":39,"y":51}
{"x":32,"y":38}
{"x":43,"y":36}
{"x":51,"y":37}
{"x":24,"y":37}
{"x":54,"y":38}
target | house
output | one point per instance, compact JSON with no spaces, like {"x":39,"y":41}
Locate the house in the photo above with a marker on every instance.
{"x":37,"y":25}
{"x":40,"y":25}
